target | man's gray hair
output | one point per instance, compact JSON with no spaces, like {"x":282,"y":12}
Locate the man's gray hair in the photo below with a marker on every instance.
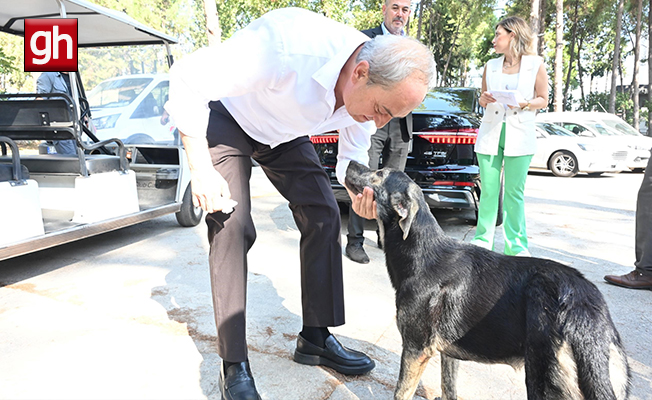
{"x":393,"y":58}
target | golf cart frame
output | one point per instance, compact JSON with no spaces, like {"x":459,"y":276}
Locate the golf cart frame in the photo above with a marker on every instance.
{"x":51,"y":199}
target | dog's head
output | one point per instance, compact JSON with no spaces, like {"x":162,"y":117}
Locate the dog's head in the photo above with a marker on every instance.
{"x":396,"y":195}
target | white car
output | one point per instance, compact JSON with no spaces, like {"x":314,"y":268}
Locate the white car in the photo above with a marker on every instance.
{"x":598,"y":124}
{"x":566,"y":154}
{"x":130,"y":108}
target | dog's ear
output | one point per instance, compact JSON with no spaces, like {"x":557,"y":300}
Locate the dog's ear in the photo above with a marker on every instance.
{"x":407,"y":209}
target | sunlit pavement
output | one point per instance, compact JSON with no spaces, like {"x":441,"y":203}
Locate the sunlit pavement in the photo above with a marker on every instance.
{"x":128,"y":315}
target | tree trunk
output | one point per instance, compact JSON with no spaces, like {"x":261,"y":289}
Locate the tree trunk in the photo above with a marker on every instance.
{"x":534,"y":21}
{"x":213,"y":30}
{"x":637,"y":57}
{"x":579,"y":70}
{"x":559,"y":55}
{"x":572,"y":50}
{"x":615,"y":63}
{"x":450,"y":52}
{"x":542,"y":27}
{"x":419,"y":12}
{"x":649,"y":72}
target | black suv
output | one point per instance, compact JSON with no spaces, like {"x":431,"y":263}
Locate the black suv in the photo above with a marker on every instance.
{"x":441,"y":161}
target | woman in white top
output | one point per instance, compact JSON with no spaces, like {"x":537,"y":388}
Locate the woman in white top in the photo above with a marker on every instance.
{"x":507,"y":137}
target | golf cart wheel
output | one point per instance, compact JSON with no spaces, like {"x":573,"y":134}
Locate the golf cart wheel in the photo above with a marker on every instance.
{"x":563,"y":164}
{"x":189,"y":215}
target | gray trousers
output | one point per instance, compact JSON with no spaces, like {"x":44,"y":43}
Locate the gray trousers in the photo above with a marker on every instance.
{"x":644,"y":223}
{"x":390,"y":142}
{"x":297,"y":174}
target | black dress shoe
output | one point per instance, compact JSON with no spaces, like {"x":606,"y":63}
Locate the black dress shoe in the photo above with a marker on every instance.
{"x":333,"y":355}
{"x":238,"y":383}
{"x":356,"y":253}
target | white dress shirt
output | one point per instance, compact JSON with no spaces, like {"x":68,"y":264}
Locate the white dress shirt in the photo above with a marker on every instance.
{"x":277,"y":78}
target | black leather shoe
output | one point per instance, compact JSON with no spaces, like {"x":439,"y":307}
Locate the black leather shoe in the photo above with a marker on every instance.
{"x":238,"y":383}
{"x":333,"y":355}
{"x":356,"y":253}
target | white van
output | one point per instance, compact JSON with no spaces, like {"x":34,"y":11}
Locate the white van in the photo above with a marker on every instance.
{"x":604,"y":125}
{"x":130,"y":108}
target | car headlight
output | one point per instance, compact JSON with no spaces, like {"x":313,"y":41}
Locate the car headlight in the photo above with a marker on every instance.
{"x":106,"y":122}
{"x":587,"y":147}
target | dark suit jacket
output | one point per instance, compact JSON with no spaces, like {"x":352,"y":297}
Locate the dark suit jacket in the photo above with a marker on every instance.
{"x":406,"y":123}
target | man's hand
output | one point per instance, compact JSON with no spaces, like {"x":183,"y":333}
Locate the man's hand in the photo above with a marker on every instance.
{"x":210,"y":191}
{"x":363,"y":203}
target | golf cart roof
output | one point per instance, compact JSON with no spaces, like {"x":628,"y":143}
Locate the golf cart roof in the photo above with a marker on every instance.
{"x":97,"y":25}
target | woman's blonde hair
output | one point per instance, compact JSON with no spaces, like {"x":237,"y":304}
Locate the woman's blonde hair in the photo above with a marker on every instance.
{"x":523,"y":43}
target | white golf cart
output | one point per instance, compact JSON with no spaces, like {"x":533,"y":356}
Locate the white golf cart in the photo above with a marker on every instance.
{"x":50,"y":199}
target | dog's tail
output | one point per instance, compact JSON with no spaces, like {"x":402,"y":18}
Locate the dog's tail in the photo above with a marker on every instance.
{"x":602,"y":367}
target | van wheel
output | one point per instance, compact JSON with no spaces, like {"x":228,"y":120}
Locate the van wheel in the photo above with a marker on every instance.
{"x":139,"y":138}
{"x":563,"y":164}
{"x":189,"y":215}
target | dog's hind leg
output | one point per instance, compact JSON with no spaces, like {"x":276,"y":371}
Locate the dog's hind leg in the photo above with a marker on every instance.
{"x":412,"y":366}
{"x":448,"y":377}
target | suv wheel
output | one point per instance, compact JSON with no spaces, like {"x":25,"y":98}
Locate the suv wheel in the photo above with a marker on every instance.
{"x":564,"y":164}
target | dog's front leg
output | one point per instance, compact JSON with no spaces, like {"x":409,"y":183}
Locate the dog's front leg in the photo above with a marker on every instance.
{"x":412,"y":366}
{"x":448,"y":377}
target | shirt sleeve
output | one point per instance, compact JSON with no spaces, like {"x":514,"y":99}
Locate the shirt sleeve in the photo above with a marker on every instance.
{"x":44,"y":83}
{"x":250,"y":60}
{"x":353,"y":145}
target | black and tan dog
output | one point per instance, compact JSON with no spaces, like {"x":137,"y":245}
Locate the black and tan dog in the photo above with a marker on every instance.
{"x":469,"y":303}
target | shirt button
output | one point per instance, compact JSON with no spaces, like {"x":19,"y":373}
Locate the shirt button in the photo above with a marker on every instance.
{"x":515,"y":113}
{"x":496,"y":112}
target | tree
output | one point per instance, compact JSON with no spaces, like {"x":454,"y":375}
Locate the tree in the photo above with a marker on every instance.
{"x":213,"y":31}
{"x":649,"y":70}
{"x":559,"y":56}
{"x":534,"y":20}
{"x":616,"y":57}
{"x":637,"y":49}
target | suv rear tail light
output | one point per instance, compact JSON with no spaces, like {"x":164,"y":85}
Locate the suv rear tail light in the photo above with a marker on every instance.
{"x":438,"y":138}
{"x":451,"y":183}
{"x":324,"y":139}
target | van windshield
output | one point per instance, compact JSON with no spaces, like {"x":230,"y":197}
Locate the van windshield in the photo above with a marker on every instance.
{"x":117,"y":93}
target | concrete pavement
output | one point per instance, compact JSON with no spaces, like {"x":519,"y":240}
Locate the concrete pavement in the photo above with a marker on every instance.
{"x":128,"y":314}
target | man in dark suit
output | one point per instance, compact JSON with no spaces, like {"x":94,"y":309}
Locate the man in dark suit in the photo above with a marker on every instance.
{"x":392,"y":140}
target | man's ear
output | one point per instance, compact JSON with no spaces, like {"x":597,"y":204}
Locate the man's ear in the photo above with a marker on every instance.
{"x":406,"y":208}
{"x":360,"y":72}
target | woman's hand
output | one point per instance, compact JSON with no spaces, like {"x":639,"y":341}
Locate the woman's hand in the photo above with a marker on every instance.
{"x":486,"y":98}
{"x":363,"y":203}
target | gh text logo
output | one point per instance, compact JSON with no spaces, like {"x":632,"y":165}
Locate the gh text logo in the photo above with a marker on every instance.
{"x":50,"y":45}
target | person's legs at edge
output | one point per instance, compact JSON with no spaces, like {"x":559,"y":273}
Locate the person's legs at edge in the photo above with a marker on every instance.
{"x":516,"y":169}
{"x":294,"y":169}
{"x":644,"y":223}
{"x":230,"y":237}
{"x":490,"y":171}
{"x":641,"y":276}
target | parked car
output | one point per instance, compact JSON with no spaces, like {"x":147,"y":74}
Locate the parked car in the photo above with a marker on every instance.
{"x":130,"y":108}
{"x":441,"y":160}
{"x":598,"y":124}
{"x":566,"y":154}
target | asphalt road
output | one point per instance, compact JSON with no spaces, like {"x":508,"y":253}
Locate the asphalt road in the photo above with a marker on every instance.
{"x":128,"y":314}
